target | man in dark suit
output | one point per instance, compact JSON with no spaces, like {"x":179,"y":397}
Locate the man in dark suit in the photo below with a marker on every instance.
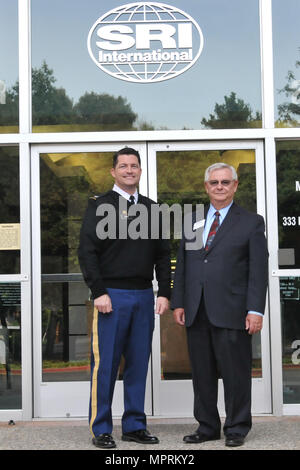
{"x":219,"y":295}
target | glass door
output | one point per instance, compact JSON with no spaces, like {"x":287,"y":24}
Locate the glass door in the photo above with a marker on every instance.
{"x":286,"y":274}
{"x":64,"y":177}
{"x":15,"y":289}
{"x":177,"y":173}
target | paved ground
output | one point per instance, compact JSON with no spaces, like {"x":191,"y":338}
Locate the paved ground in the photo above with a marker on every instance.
{"x":268,"y":433}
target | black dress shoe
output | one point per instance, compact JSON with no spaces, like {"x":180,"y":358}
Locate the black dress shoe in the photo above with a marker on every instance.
{"x":105,"y":441}
{"x":234,"y":440}
{"x":141,"y":436}
{"x":199,"y":437}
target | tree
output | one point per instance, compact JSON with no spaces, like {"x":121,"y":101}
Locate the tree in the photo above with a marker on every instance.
{"x":289,"y":112}
{"x":234,"y":113}
{"x":104,"y":109}
{"x":50,"y":105}
{"x":9,"y":112}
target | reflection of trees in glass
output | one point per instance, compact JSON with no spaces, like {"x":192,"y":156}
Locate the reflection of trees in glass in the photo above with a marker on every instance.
{"x":234,"y":113}
{"x":67,"y":181}
{"x":289,"y":112}
{"x":104,"y":109}
{"x":54,"y":210}
{"x":180,"y":181}
{"x":51,"y":105}
{"x":180,"y":177}
{"x":246,"y":193}
{"x":9,"y":112}
{"x":93,"y":111}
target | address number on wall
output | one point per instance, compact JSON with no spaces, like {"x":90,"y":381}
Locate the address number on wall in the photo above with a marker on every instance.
{"x":290,"y":221}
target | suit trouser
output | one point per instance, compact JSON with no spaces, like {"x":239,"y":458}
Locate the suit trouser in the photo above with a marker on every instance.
{"x":226,"y":353}
{"x":126,"y":331}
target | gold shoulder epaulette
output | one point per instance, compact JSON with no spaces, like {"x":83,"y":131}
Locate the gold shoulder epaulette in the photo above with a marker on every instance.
{"x":97,"y":196}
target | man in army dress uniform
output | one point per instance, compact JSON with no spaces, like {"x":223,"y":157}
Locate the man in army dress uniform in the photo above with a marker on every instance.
{"x":119,"y":272}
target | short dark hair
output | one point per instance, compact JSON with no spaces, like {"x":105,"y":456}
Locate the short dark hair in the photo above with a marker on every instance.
{"x":126,"y":151}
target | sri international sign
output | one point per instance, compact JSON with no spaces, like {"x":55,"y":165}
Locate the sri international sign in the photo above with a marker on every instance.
{"x":145,"y":42}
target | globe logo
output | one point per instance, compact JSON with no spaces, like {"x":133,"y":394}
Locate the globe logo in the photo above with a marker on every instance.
{"x":145,"y":42}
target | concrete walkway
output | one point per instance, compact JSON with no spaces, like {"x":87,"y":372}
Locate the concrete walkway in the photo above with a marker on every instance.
{"x":268,"y":433}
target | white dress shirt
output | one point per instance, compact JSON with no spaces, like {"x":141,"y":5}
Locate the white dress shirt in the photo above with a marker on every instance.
{"x":125,"y":194}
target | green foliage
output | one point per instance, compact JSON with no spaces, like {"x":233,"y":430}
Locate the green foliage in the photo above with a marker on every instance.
{"x":234,"y":113}
{"x":180,"y":179}
{"x":9,"y":112}
{"x":51,"y":105}
{"x":104,"y":109}
{"x":289,"y":112}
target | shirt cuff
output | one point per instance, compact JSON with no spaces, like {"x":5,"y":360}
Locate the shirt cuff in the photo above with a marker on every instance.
{"x":255,"y":313}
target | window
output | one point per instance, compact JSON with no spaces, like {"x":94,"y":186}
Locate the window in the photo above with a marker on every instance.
{"x":286,"y":62}
{"x":290,"y":317}
{"x":9,"y":211}
{"x":9,"y":92}
{"x":221,"y":89}
{"x":10,"y":346}
{"x":288,"y":193}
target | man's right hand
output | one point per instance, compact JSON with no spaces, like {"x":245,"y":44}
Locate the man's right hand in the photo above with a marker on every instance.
{"x":179,"y":316}
{"x":103,"y":304}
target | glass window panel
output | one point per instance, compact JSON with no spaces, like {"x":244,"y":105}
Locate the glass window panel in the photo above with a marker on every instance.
{"x":9,"y":211}
{"x":66,"y":182}
{"x":286,"y":62}
{"x":288,"y":194}
{"x":10,"y":346}
{"x":290,"y":319}
{"x":180,"y":176}
{"x":67,"y":316}
{"x":66,"y":330}
{"x":221,"y":90}
{"x":9,"y":75}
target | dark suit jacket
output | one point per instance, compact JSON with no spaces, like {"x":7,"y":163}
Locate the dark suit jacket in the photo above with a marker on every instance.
{"x":232,"y":275}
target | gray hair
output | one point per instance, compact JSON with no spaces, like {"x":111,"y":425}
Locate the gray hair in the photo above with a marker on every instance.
{"x":219,"y":166}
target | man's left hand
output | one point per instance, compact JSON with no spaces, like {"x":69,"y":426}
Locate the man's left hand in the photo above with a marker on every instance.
{"x":162,"y":304}
{"x":254,"y":323}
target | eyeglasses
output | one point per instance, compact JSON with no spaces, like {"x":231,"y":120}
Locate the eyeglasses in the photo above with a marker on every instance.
{"x":216,"y":182}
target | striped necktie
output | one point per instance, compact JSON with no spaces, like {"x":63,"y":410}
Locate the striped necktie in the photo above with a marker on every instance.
{"x":131,"y":200}
{"x":213,"y":230}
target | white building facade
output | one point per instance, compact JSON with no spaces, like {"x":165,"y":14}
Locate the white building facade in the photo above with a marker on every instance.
{"x":187,"y":83}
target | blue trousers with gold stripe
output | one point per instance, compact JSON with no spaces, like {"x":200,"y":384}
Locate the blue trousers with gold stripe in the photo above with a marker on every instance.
{"x":126,"y":331}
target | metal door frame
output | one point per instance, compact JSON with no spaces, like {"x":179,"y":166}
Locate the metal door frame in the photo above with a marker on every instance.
{"x":64,"y":399}
{"x":24,"y":277}
{"x":167,"y":395}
